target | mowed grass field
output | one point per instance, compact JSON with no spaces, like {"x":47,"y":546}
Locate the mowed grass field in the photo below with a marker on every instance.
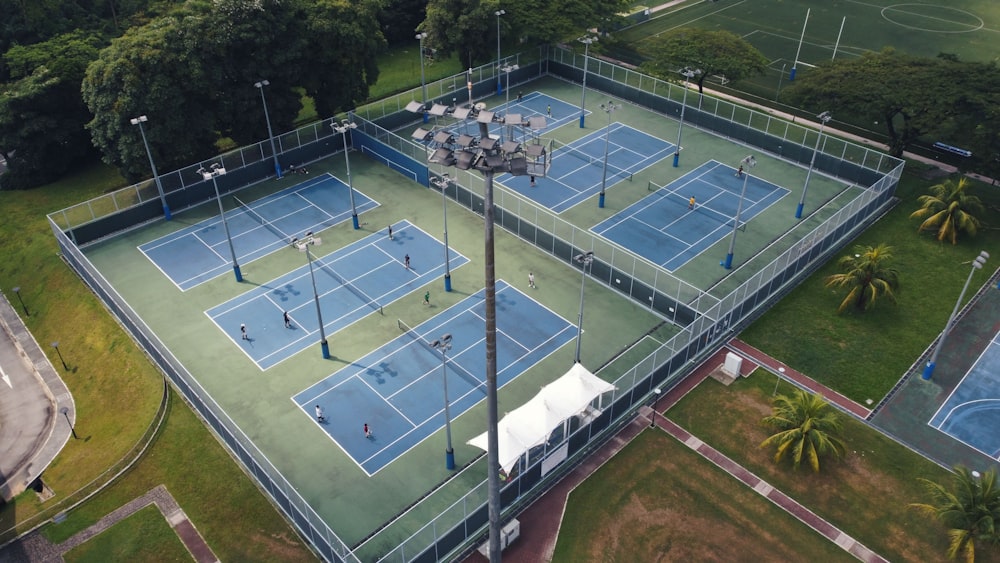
{"x":966,"y":28}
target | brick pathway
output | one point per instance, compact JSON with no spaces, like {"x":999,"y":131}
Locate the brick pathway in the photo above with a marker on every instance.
{"x":541,"y":520}
{"x":34,"y":548}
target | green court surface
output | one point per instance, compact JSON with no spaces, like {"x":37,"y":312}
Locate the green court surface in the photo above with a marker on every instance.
{"x":618,"y":332}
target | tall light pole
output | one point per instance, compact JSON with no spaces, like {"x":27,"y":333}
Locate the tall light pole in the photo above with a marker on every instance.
{"x":977,"y":264}
{"x":65,"y":412}
{"x":586,"y":40}
{"x":585,"y":260}
{"x":656,"y":399}
{"x":498,"y":13}
{"x":215,"y":171}
{"x":443,"y":184}
{"x":270,"y":134}
{"x":488,"y":156}
{"x":688,"y":75}
{"x":59,"y":353}
{"x":156,"y":177}
{"x":608,"y":108}
{"x":17,"y":292}
{"x":343,"y":128}
{"x":303,"y":246}
{"x":748,"y":162}
{"x":823,"y":118}
{"x":444,"y":344}
{"x":423,"y":84}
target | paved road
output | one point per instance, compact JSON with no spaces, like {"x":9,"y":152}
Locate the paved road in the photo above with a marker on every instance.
{"x":31,"y":396}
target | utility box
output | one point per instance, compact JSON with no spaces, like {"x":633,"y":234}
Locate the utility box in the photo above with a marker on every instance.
{"x":733,"y":365}
{"x":508,"y":534}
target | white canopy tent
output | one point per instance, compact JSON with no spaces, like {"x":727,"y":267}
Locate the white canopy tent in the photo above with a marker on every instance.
{"x":531,"y":424}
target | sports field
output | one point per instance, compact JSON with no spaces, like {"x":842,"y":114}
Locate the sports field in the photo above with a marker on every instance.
{"x":367,"y":287}
{"x":966,"y":28}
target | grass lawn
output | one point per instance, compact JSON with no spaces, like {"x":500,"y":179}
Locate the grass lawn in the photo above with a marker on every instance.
{"x":659,"y":501}
{"x":117,"y":391}
{"x":862,"y":355}
{"x":144,"y":536}
{"x":865,"y":493}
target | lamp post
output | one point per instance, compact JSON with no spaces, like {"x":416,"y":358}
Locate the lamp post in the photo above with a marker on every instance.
{"x":608,"y":108}
{"x":423,"y":84}
{"x":688,"y":74}
{"x":507,"y":69}
{"x":17,"y":292}
{"x":444,"y":344}
{"x":749,"y":162}
{"x":65,"y":413}
{"x":303,"y":246}
{"x":585,"y":260}
{"x":498,"y":13}
{"x":977,"y":264}
{"x":343,"y":128}
{"x":824,"y":118}
{"x":586,"y":40}
{"x":156,"y":177}
{"x":59,"y":353}
{"x":443,"y":184}
{"x":656,"y":399}
{"x":215,"y":171}
{"x":488,"y":156}
{"x":270,"y":134}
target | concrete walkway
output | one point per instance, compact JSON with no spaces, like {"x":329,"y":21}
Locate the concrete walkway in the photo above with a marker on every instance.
{"x":540,"y":522}
{"x":34,"y":548}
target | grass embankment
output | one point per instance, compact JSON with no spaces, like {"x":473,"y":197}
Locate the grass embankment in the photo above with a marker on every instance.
{"x":863,"y":354}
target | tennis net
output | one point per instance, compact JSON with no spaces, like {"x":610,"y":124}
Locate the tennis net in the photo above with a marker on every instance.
{"x":350,"y":286}
{"x":264,"y":222}
{"x":670,"y":197}
{"x":598,"y":161}
{"x":468,"y":377}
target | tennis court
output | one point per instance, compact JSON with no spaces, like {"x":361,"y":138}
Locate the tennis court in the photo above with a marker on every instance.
{"x":398,"y":390}
{"x":971,"y":413}
{"x":351,"y":282}
{"x":577,"y":170}
{"x":199,"y":253}
{"x":665,"y":228}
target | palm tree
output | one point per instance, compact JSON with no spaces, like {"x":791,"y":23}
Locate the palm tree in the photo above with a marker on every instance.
{"x":971,"y":513}
{"x":805,"y":424}
{"x":867,"y":277}
{"x":949,"y":210}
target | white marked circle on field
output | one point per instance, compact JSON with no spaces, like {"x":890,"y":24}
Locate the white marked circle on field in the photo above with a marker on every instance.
{"x":935,"y":19}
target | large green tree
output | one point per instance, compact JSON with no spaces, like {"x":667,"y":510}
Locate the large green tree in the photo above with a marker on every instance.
{"x":193,"y":74}
{"x":970,"y":511}
{"x":153,"y":70}
{"x":949,"y":210}
{"x":711,"y":52}
{"x":867,"y":277}
{"x":42,"y":116}
{"x":909,"y":96}
{"x":805,"y":425}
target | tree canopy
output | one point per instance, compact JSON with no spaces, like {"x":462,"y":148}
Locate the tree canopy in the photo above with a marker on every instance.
{"x":469,"y":28}
{"x":42,"y":116}
{"x":867,"y":277}
{"x":949,"y":210}
{"x":970,"y":510}
{"x":711,"y":52}
{"x":192,"y":73}
{"x":909,"y":96}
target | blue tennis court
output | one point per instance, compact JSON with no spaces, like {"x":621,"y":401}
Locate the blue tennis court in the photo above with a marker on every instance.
{"x":666,"y":229}
{"x":398,"y":390}
{"x":971,"y":413}
{"x":352,"y":282}
{"x":199,"y":253}
{"x":577,"y":169}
